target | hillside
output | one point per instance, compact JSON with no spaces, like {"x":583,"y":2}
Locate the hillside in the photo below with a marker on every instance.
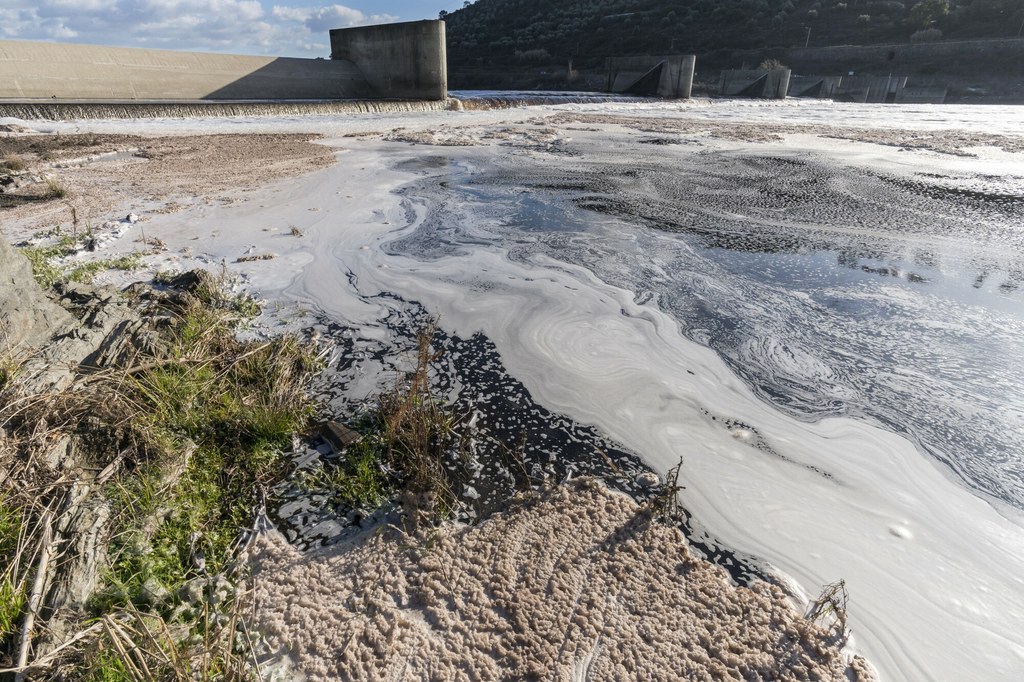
{"x":489,"y":38}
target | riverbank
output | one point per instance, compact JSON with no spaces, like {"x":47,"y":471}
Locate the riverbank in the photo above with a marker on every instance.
{"x":452,"y":214}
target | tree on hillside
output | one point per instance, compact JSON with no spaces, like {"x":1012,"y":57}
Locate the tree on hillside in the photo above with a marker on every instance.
{"x":927,"y":13}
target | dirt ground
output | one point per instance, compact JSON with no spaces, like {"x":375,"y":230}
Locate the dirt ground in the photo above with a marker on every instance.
{"x":97,"y":174}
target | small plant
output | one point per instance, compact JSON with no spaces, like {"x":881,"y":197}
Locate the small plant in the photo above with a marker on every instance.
{"x":418,"y":432}
{"x":87,"y":273}
{"x":357,"y":479}
{"x":13,"y":162}
{"x":12,"y":585}
{"x":665,"y":504}
{"x":55,"y":189}
{"x":41,"y":259}
{"x":770,"y":64}
{"x":295,"y":231}
{"x":829,"y":610}
{"x":928,"y":35}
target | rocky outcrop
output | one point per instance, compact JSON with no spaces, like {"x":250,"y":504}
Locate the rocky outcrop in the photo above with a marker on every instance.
{"x":28,"y":318}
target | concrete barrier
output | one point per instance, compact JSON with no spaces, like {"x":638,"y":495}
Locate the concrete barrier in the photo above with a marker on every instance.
{"x":667,"y":76}
{"x":762,"y":83}
{"x":814,"y":87}
{"x":404,"y":60}
{"x":36,"y":70}
{"x":871,"y":89}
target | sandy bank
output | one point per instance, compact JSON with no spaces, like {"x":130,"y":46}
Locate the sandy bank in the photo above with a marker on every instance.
{"x":578,"y":584}
{"x":105,"y":173}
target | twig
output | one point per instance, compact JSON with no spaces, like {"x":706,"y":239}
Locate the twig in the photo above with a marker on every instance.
{"x":37,"y":596}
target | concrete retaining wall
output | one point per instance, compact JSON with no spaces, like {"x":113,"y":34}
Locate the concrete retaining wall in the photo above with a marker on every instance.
{"x":897,"y":56}
{"x":37,"y":70}
{"x":404,"y":61}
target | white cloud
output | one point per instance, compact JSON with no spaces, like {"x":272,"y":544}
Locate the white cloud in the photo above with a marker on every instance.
{"x":243,"y":26}
{"x":290,"y":13}
{"x":333,"y":16}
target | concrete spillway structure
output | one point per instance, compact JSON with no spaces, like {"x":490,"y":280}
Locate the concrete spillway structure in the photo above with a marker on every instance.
{"x":404,"y":61}
{"x":760,"y":83}
{"x":814,"y":87}
{"x":666,"y":76}
{"x":391,"y":61}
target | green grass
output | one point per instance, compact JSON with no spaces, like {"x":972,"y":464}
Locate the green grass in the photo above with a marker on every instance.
{"x":47,"y":274}
{"x":87,"y":273}
{"x":8,"y":371}
{"x":12,"y":591}
{"x":41,"y":258}
{"x":234,"y":406}
{"x":357,"y":479}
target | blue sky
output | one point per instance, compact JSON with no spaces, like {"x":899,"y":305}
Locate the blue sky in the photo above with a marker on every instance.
{"x":289,"y":28}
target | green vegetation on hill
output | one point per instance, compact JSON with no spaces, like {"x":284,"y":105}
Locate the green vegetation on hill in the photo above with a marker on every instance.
{"x":521,"y":33}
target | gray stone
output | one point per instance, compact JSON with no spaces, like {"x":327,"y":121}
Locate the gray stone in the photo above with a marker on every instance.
{"x":28,"y":318}
{"x":648,"y":479}
{"x":338,"y":435}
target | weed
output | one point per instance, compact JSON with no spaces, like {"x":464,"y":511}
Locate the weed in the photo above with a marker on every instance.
{"x":13,"y":162}
{"x":12,"y":587}
{"x":164,"y":277}
{"x":234,"y":406}
{"x":86,"y":273}
{"x":186,"y":440}
{"x":9,"y":369}
{"x":829,"y":610}
{"x":418,"y":432}
{"x":357,"y":479}
{"x":295,"y":231}
{"x":665,"y":504}
{"x":55,"y":189}
{"x":40,"y":257}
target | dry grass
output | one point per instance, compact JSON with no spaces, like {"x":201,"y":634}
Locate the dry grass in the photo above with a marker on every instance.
{"x":419,"y":433}
{"x":179,"y":444}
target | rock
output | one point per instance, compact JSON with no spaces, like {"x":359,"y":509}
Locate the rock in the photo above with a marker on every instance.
{"x":193,"y":592}
{"x":132,"y":218}
{"x":27,"y":317}
{"x":193,"y":281}
{"x":338,"y":436}
{"x":648,"y":480}
{"x":153,"y":592}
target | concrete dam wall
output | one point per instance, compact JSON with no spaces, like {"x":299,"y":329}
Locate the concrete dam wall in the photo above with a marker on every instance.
{"x":379,"y":62}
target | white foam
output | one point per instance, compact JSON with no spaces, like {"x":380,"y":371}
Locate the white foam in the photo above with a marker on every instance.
{"x":936,"y":575}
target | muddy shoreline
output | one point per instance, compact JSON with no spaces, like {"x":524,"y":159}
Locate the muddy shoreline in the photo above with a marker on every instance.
{"x":314,"y":224}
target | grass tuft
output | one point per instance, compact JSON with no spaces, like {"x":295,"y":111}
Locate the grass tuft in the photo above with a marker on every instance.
{"x":55,"y":189}
{"x":87,"y":273}
{"x":13,"y":162}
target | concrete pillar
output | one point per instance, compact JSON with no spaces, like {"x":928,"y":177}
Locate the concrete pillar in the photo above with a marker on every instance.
{"x":402,"y":61}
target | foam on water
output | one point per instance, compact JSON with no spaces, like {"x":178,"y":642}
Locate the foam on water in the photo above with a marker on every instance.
{"x":766,"y":369}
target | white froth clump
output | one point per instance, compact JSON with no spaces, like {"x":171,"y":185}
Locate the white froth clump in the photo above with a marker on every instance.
{"x":580,"y":584}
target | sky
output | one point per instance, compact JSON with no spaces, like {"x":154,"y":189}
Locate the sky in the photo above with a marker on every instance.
{"x":285,"y":28}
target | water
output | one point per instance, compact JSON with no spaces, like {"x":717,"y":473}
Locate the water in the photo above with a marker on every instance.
{"x":827,"y":332}
{"x":831,"y":292}
{"x":70,"y":111}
